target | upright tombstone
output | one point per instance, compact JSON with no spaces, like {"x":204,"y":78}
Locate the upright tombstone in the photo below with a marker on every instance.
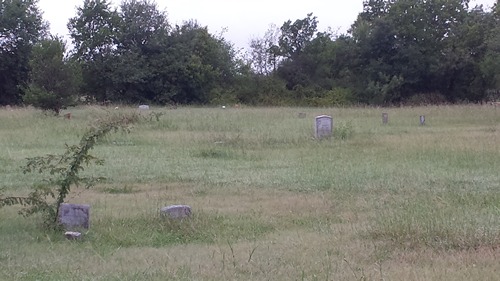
{"x":422,"y":120}
{"x":385,"y":118}
{"x":323,"y":126}
{"x":74,"y":216}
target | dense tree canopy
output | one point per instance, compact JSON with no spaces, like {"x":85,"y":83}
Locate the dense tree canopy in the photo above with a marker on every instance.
{"x":403,"y":51}
{"x":396,"y":52}
{"x":93,"y":33}
{"x":21,"y":26}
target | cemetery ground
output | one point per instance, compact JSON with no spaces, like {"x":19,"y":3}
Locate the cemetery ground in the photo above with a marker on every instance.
{"x":395,"y":201}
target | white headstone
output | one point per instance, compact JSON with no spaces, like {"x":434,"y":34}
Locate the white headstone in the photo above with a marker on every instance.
{"x":323,"y":126}
{"x":144,"y":106}
{"x":74,"y":216}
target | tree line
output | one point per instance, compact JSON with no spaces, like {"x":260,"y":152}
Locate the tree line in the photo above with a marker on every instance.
{"x":396,"y":52}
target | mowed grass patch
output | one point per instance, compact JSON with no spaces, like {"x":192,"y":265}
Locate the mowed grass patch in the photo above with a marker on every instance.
{"x":389,"y":202}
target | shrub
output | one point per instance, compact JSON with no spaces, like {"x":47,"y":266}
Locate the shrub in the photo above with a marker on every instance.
{"x":343,"y":131}
{"x":63,"y":170}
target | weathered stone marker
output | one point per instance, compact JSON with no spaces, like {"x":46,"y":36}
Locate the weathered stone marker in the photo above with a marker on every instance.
{"x":323,"y":126}
{"x":422,"y":120}
{"x":74,"y":216}
{"x":385,"y":118}
{"x":144,"y":106}
{"x":176,"y":211}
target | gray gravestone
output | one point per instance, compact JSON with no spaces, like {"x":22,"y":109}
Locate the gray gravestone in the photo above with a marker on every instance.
{"x":74,"y":216}
{"x":176,"y":211}
{"x":323,"y":126}
{"x":422,"y":120}
{"x":385,"y":118}
{"x":144,"y":107}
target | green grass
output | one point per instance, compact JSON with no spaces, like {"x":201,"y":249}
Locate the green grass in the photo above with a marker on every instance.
{"x":375,"y":202}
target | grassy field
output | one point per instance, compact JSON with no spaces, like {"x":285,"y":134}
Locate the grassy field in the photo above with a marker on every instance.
{"x":375,"y":202}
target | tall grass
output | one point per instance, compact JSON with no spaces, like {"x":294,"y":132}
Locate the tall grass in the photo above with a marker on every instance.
{"x":398,"y":201}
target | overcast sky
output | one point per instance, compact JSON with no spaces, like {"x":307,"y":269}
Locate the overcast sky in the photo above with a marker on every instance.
{"x":242,"y":19}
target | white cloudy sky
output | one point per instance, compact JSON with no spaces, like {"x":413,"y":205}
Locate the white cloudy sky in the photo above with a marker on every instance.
{"x":242,"y":19}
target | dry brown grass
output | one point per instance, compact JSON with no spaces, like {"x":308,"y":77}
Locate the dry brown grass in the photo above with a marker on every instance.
{"x":316,"y":237}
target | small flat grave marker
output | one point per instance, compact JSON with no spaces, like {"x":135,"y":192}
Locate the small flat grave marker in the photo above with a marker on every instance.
{"x":72,"y":235}
{"x":144,"y":107}
{"x":176,"y":211}
{"x":74,"y":216}
{"x":323,"y":126}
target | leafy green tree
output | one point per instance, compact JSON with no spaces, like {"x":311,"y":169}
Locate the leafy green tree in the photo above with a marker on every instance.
{"x":295,"y":36}
{"x":303,"y":60}
{"x":142,"y":36}
{"x":93,"y":31}
{"x":21,"y":26}
{"x":54,"y":80}
{"x":376,"y":47}
{"x":490,"y":64}
{"x":197,"y":64}
{"x":406,"y":48}
{"x":459,"y":69}
{"x":131,"y":55}
{"x":142,"y":26}
{"x":262,"y":57}
{"x":374,"y":9}
{"x":307,"y":66}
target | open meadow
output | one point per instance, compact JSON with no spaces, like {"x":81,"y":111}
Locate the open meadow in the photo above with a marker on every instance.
{"x":374,"y":202}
